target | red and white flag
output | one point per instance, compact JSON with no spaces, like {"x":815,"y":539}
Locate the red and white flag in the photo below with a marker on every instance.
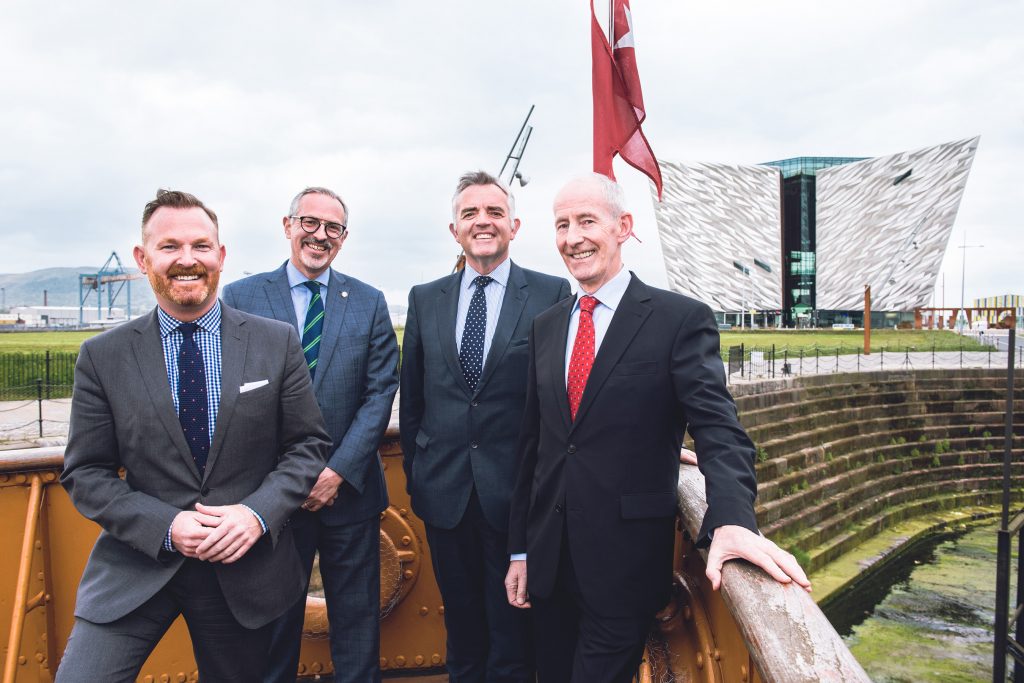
{"x":618,"y":100}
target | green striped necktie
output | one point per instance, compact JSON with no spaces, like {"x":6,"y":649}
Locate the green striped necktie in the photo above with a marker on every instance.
{"x":314,"y":326}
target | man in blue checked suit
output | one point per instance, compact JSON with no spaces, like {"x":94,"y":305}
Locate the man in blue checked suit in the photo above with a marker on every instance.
{"x":352,"y":356}
{"x":464,"y":369}
{"x":208,"y":413}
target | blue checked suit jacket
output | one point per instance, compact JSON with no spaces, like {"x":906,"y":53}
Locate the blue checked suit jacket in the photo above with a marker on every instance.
{"x":355,"y":382}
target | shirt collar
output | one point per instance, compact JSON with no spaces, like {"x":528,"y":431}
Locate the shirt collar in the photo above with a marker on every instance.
{"x":611,"y":292}
{"x":296,"y":279}
{"x":209,"y":321}
{"x":499,"y":274}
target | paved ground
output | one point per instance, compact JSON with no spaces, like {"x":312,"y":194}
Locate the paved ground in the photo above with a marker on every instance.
{"x":19,"y":423}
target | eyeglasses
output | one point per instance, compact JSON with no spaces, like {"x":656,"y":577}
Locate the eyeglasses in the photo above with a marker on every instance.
{"x":311,"y":225}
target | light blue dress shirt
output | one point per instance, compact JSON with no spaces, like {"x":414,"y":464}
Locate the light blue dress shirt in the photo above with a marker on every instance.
{"x":494,"y":293}
{"x":301,"y":294}
{"x":608,"y":296}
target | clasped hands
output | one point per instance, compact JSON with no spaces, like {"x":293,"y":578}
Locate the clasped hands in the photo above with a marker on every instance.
{"x":215,"y":533}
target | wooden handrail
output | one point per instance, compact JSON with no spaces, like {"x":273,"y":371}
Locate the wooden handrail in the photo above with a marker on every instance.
{"x":787,"y":635}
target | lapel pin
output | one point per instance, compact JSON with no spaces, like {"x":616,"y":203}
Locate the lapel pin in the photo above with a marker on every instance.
{"x":344,"y":294}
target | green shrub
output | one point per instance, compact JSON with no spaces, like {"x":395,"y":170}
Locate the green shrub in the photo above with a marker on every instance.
{"x":762,"y":454}
{"x":915,"y":452}
{"x":936,"y":462}
{"x":879,"y":458}
{"x":829,"y":457}
{"x":987,"y":434}
{"x":961,"y":459}
{"x":902,"y":440}
{"x":923,"y":438}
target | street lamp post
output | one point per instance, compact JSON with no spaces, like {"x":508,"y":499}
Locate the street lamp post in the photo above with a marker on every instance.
{"x":963,"y":273}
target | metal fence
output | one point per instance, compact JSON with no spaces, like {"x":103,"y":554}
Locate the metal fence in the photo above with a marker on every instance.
{"x":27,"y":375}
{"x":752,"y":362}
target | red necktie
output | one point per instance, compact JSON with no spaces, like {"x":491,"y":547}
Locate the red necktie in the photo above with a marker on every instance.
{"x":582,"y":358}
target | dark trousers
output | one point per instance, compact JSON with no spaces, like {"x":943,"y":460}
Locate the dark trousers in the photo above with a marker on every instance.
{"x":115,"y":652}
{"x":488,"y":639}
{"x":575,"y":643}
{"x":350,"y":569}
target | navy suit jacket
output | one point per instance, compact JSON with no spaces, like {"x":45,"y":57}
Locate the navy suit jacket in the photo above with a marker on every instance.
{"x":355,"y":382}
{"x":454,"y":439}
{"x":607,"y":480}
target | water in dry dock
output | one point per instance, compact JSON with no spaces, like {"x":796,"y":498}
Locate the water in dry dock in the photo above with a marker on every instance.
{"x":928,"y":615}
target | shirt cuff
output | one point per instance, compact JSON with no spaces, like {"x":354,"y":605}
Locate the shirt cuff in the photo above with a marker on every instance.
{"x":516,"y":557}
{"x":263,"y":525}
{"x":168,"y":543}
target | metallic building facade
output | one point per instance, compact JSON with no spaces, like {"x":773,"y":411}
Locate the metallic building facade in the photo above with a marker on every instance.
{"x":713,"y":217}
{"x":886,"y":222}
{"x":805,"y":235}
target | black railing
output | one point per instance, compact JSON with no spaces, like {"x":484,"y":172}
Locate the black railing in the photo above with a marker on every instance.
{"x":21,"y":375}
{"x":1006,"y":644}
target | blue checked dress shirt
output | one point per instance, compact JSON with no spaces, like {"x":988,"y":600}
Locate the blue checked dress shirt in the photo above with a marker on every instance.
{"x":207,"y":338}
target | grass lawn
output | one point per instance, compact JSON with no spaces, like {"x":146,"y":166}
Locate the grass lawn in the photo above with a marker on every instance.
{"x":39,"y":342}
{"x":849,"y":341}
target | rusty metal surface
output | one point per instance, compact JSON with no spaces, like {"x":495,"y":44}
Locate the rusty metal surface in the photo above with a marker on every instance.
{"x":788,"y":637}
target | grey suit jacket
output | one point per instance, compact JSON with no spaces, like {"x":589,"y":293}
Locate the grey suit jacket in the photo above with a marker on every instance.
{"x":355,"y":382}
{"x":267,"y":451}
{"x":454,"y":439}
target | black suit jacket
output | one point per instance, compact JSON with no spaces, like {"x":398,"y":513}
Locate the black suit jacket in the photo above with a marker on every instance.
{"x":607,"y":481}
{"x":454,"y":439}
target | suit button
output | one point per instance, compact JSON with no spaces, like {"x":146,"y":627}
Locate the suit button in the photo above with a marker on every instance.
{"x":474,"y":445}
{"x":205,"y":491}
{"x":572,"y":448}
{"x":558,"y":508}
{"x":475,"y":404}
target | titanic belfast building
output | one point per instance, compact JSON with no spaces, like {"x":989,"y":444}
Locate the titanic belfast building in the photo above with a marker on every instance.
{"x":797,"y":240}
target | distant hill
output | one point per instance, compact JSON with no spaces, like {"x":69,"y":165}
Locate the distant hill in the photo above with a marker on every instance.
{"x":61,"y":286}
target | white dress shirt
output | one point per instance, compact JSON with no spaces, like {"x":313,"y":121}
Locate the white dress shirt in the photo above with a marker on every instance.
{"x":493,"y":292}
{"x":608,"y":296}
{"x":301,"y":294}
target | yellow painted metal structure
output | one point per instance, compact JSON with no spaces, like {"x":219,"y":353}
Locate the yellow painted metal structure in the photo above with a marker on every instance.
{"x":696,"y":638}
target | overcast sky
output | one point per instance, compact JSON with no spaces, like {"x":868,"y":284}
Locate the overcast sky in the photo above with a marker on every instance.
{"x":388,"y":102}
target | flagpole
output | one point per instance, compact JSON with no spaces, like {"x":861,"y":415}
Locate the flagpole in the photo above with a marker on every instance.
{"x":611,"y":24}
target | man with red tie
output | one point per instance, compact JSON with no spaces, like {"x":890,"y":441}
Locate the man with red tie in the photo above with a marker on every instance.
{"x":616,"y":377}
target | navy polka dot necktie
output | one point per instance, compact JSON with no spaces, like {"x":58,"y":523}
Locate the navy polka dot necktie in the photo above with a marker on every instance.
{"x":471,"y":352}
{"x":193,"y":412}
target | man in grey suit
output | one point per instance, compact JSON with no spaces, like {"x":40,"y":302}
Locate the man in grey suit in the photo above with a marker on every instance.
{"x":464,"y":368}
{"x":352,"y":354}
{"x":208,"y":412}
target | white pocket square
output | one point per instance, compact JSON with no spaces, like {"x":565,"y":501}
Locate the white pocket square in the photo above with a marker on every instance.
{"x":249,"y":386}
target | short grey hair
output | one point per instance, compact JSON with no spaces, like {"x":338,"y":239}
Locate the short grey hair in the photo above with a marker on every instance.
{"x":614,"y":196}
{"x":481,"y":178}
{"x":318,"y":190}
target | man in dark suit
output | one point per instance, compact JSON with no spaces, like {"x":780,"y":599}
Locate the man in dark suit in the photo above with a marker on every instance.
{"x":617,"y":375}
{"x":352,"y":353}
{"x":209,"y":413}
{"x":463,"y":383}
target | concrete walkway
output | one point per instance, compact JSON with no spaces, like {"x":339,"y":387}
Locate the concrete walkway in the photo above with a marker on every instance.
{"x":763,"y":368}
{"x":19,"y":423}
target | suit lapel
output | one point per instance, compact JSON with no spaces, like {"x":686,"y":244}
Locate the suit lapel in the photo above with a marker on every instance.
{"x":447,"y":310}
{"x":234,"y":343}
{"x":633,"y":310}
{"x":334,"y":314}
{"x":554,"y":366}
{"x":280,"y":297}
{"x":149,"y":354}
{"x":512,"y":305}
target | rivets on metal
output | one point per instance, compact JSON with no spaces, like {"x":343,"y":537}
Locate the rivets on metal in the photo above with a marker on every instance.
{"x":165,"y":678}
{"x":181,"y":677}
{"x":22,"y":660}
{"x":400,"y":660}
{"x":407,"y":574}
{"x":302,"y":668}
{"x":403,"y":512}
{"x":440,"y":610}
{"x":700,"y":660}
{"x":316,"y":667}
{"x":147,"y":679}
{"x":383,"y":662}
{"x":743,"y":674}
{"x":717,"y":655}
{"x":424,"y":611}
{"x":40,"y":656}
{"x":39,"y":545}
{"x":406,"y":540}
{"x":419,"y":660}
{"x":435,"y":658}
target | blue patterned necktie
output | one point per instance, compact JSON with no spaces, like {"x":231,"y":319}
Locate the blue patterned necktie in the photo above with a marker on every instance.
{"x":193,"y":411}
{"x":314,"y":327}
{"x":471,"y":352}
